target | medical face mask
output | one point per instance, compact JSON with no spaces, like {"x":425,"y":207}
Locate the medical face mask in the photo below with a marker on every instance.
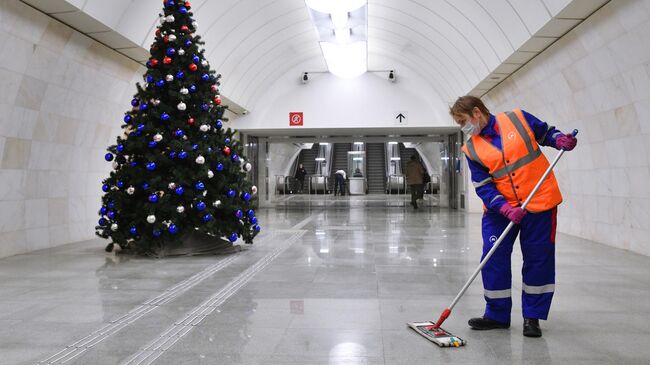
{"x":470,"y":129}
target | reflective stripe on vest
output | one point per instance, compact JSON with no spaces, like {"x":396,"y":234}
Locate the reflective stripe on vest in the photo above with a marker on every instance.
{"x":517,"y":166}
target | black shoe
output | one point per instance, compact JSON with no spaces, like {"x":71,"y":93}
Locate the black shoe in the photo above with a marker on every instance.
{"x":415,"y":205}
{"x":531,"y":328}
{"x":482,"y":323}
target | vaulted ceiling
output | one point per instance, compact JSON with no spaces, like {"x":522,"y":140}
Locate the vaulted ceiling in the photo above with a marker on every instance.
{"x":457,"y":46}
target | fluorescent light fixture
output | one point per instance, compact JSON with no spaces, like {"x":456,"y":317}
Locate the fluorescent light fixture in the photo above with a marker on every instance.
{"x":392,"y":142}
{"x":346,"y":60}
{"x":358,"y":143}
{"x":320,"y":158}
{"x":332,"y":6}
{"x":324,"y":143}
{"x":395,"y":158}
{"x":357,"y":159}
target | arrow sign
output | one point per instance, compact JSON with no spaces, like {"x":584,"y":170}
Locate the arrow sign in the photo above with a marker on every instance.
{"x":401,"y":117}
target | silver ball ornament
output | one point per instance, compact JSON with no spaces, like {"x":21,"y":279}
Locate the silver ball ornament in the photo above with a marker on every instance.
{"x":204,"y":63}
{"x":200,"y":160}
{"x":184,"y":91}
{"x":204,"y":128}
{"x":130,"y":190}
{"x":195,"y":24}
{"x":172,"y":38}
{"x":156,"y":102}
{"x":248,"y":166}
{"x":116,"y":165}
{"x":180,"y":209}
{"x":181,"y":106}
{"x":171,"y":186}
{"x":181,"y":52}
{"x":170,"y":19}
{"x":210,"y":174}
{"x":254,"y":189}
{"x":151,"y":219}
{"x":114,"y":227}
{"x":217,"y":203}
{"x":158,"y":137}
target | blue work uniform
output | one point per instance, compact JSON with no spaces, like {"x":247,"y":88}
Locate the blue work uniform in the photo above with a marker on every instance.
{"x":537,"y":238}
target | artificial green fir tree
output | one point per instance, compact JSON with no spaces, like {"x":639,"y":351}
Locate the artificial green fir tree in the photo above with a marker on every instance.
{"x":176,"y":170}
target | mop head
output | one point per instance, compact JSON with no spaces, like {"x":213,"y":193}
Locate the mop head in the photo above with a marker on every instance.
{"x":439,"y":336}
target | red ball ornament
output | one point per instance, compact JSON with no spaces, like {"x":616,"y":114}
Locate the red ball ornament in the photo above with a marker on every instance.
{"x":226,"y":150}
{"x":184,"y":28}
{"x":190,"y":121}
{"x":158,"y":32}
{"x":217,"y":100}
{"x":153,"y":62}
{"x":167,"y":60}
{"x":166,"y":39}
{"x":192,"y":67}
{"x":213,"y":88}
{"x":188,"y":5}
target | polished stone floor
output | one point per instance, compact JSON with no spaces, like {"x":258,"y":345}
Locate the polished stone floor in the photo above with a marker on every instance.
{"x":323,"y":284}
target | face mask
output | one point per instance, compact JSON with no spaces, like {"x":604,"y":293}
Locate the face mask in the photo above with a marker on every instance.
{"x":470,"y":129}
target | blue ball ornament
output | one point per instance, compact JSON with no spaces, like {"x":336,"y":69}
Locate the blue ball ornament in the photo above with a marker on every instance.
{"x":205,"y":107}
{"x":144,"y":106}
{"x":149,"y":78}
{"x":102,"y":221}
{"x":235,"y":158}
{"x":205,"y":77}
{"x":179,"y":133}
{"x":171,"y":51}
{"x":180,"y":75}
{"x":120,"y":184}
{"x":152,"y":144}
{"x":219,"y":124}
{"x":239,"y":214}
{"x":127,"y":118}
{"x":170,"y":3}
{"x":134,"y":164}
{"x":160,"y":83}
{"x":207,"y":217}
{"x":110,"y":214}
{"x":250,"y":213}
{"x":140,"y":127}
{"x":102,"y":210}
{"x":192,"y":88}
{"x":145,"y":186}
{"x":233,"y":237}
{"x":156,"y":233}
{"x":182,"y":10}
{"x":151,"y":166}
{"x":173,"y":229}
{"x":138,"y":133}
{"x":108,"y":157}
{"x":195,"y":147}
{"x":111,"y":205}
{"x":219,"y":166}
{"x":246,"y":197}
{"x":196,"y":59}
{"x":254,"y":220}
{"x":182,"y":155}
{"x":153,"y":198}
{"x":135,"y":102}
{"x":133,"y":230}
{"x":164,"y":117}
{"x":199,"y":186}
{"x":200,"y":206}
{"x":120,"y":148}
{"x":231,"y":193}
{"x":188,"y":43}
{"x":172,"y":154}
{"x":226,"y":141}
{"x":257,"y":228}
{"x":179,"y":190}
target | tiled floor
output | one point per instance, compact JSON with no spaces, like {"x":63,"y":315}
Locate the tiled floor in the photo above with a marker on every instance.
{"x":326,"y":283}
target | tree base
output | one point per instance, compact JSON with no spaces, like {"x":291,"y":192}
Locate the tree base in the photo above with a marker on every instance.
{"x":191,"y":244}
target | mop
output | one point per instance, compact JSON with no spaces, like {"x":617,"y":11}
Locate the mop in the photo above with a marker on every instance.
{"x":432,"y":331}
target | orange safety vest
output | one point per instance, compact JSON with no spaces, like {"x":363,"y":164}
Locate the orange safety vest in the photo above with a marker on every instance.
{"x":518,"y":166}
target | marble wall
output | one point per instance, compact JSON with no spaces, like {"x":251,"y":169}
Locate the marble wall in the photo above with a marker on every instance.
{"x":596,"y":79}
{"x":63,"y":97}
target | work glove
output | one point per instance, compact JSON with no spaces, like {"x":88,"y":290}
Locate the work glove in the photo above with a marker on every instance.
{"x":566,"y":142}
{"x":515,"y":214}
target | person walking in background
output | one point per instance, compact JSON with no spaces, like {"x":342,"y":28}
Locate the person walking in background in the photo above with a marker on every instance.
{"x":300,"y":176}
{"x":415,"y":179}
{"x":506,"y":162}
{"x":339,"y":183}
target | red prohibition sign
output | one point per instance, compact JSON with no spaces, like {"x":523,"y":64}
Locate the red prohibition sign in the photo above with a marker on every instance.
{"x":295,"y":119}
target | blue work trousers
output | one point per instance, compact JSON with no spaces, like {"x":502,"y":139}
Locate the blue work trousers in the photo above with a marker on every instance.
{"x":537,"y":238}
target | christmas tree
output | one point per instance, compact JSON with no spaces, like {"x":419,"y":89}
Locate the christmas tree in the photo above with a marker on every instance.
{"x":176,"y":170}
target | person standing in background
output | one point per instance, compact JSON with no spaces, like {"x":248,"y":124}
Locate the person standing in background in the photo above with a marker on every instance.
{"x":300,"y":176}
{"x":415,"y":179}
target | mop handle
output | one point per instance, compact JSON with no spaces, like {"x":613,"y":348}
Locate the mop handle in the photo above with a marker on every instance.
{"x":505,"y":232}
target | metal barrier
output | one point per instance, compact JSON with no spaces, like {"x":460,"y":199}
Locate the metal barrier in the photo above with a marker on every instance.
{"x":318,"y":184}
{"x":396,"y":182}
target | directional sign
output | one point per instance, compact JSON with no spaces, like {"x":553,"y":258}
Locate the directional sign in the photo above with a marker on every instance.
{"x":295,"y":119}
{"x":401,"y":117}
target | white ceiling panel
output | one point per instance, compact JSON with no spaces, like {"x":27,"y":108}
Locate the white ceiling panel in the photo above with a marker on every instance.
{"x":537,"y":44}
{"x":580,"y":9}
{"x":82,"y":22}
{"x":557,"y":27}
{"x":113,"y":39}
{"x":507,"y":18}
{"x":107,"y":12}
{"x":532,"y":13}
{"x":51,"y":6}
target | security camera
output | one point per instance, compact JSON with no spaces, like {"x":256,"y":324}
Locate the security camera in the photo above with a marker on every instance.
{"x":245,"y":112}
{"x":391,"y":76}
{"x":305,"y":77}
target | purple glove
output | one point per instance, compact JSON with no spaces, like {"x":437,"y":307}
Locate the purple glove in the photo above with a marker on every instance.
{"x":566,"y":142}
{"x":514,"y":214}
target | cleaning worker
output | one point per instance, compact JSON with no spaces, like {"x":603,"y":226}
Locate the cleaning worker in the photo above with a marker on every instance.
{"x":505,"y":159}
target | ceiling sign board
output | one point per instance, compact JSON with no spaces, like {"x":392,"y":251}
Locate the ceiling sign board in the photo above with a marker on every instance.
{"x":295,"y":119}
{"x":401,"y":117}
